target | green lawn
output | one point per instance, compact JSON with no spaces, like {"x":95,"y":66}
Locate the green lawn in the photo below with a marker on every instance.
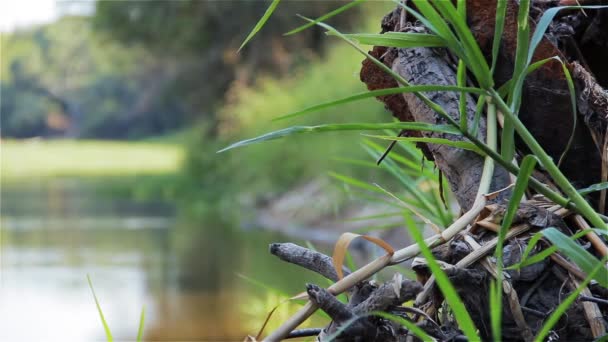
{"x":27,"y":159}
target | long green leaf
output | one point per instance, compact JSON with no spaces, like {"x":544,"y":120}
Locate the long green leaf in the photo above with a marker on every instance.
{"x":397,"y":39}
{"x":593,"y":188}
{"x":561,"y":309}
{"x":496,"y":309}
{"x":414,"y":126}
{"x":474,"y":57}
{"x":465,"y":145}
{"x":261,"y":22}
{"x":419,"y":199}
{"x":525,"y":171}
{"x":465,"y":323}
{"x":140,"y":331}
{"x":461,"y":79}
{"x":380,"y":92}
{"x":578,"y":254}
{"x":481,"y":101}
{"x":501,"y":13}
{"x":325,"y":17}
{"x":525,"y":260}
{"x":106,"y":328}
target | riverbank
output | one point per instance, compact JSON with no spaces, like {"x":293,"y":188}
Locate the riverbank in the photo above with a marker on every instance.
{"x":38,"y":158}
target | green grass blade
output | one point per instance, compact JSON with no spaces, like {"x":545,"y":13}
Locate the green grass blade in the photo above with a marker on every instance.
{"x":465,"y":323}
{"x":525,"y":260}
{"x":262,"y":285}
{"x":380,"y":92}
{"x":477,"y":118}
{"x":525,"y":171}
{"x":325,"y":17}
{"x":414,"y":126}
{"x":355,"y":182}
{"x":572,"y":92}
{"x":474,"y":57}
{"x":106,"y":328}
{"x":140,"y":331}
{"x":496,"y":309}
{"x":397,"y":39}
{"x":583,"y":259}
{"x":465,"y":145}
{"x":438,"y":24}
{"x":507,"y":146}
{"x":461,"y":79}
{"x":501,"y":13}
{"x":593,"y":188}
{"x":261,"y":22}
{"x":418,"y":200}
{"x":561,"y":309}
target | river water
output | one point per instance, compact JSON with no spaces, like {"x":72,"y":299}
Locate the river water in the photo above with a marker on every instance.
{"x":188,"y":275}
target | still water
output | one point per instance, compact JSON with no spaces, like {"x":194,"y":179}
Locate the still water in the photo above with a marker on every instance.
{"x":138,"y":254}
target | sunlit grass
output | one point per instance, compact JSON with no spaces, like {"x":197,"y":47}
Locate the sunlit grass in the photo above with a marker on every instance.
{"x":23,"y":160}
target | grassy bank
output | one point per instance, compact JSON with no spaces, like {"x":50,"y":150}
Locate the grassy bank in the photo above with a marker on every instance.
{"x":138,"y":170}
{"x":26,"y":159}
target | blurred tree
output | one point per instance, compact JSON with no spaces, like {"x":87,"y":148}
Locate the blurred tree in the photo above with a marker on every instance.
{"x":203,"y":36}
{"x":141,"y":68}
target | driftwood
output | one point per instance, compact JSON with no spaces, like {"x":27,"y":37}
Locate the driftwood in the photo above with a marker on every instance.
{"x":533,"y":292}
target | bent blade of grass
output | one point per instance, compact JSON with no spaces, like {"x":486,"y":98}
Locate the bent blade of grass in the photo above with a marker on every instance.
{"x":341,"y":249}
{"x":261,"y":22}
{"x":380,"y":92}
{"x":415,"y":126}
{"x":583,"y":259}
{"x":593,"y":188}
{"x":526,"y":260}
{"x":507,"y":149}
{"x":525,"y":171}
{"x":325,"y":16}
{"x":397,"y":39}
{"x":561,"y":309}
{"x":106,"y":328}
{"x":465,"y":145}
{"x":465,"y":323}
{"x":142,"y":318}
{"x":544,"y":22}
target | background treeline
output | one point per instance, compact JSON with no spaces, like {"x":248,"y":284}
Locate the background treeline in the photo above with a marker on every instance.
{"x":138,"y":68}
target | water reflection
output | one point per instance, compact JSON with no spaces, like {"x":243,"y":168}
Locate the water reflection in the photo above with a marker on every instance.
{"x":137,"y":253}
